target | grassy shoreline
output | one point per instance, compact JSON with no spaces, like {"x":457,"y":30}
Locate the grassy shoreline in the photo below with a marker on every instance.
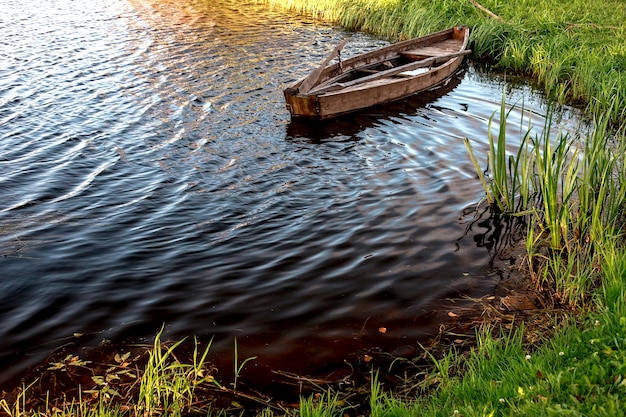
{"x":572,"y":204}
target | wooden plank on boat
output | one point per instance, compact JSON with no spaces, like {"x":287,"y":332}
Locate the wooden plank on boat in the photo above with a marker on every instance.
{"x":310,"y":81}
{"x":406,"y":67}
{"x":445,"y":47}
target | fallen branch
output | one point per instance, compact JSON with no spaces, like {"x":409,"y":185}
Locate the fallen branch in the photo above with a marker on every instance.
{"x":484,"y":9}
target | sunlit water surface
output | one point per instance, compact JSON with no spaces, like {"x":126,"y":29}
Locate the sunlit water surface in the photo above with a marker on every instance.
{"x":150,"y":175}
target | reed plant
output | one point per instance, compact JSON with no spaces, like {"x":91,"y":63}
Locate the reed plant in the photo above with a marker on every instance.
{"x":503,"y":184}
{"x":167,"y":385}
{"x":508,"y":190}
{"x":602,"y":199}
{"x":571,"y":191}
{"x":556,"y":174}
{"x":322,"y":405}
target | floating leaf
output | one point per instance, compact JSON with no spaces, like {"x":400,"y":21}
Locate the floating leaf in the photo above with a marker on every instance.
{"x":451,"y":314}
{"x":382,"y":330}
{"x":110,"y":392}
{"x":99,"y":380}
{"x":129,"y":374}
{"x":123,"y":358}
{"x":94,"y":392}
{"x":112,"y":377}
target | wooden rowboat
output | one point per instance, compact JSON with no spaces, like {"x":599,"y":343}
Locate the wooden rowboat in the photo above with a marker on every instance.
{"x":380,"y":76}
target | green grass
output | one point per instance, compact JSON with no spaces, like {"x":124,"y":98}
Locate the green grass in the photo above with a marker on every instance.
{"x":164,"y":386}
{"x":580,"y":371}
{"x":322,"y":405}
{"x":167,"y":386}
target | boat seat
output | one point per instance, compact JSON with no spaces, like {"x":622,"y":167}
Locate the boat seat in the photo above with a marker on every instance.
{"x":368,"y":71}
{"x":446,"y":47}
{"x":385,"y":64}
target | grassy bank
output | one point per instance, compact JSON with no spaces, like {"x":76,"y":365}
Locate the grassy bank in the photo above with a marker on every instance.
{"x":570,"y":193}
{"x":574,"y":49}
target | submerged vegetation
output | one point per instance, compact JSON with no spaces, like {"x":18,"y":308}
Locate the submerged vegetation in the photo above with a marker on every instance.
{"x":568,"y":192}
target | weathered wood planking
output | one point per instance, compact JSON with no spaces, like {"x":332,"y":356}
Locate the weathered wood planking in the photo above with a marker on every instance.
{"x":379,"y":76}
{"x":312,"y":79}
{"x":444,"y":48}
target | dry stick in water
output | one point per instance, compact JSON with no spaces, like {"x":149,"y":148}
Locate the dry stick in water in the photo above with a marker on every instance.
{"x":484,"y":9}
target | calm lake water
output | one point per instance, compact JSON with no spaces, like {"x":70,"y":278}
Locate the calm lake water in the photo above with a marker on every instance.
{"x":150,"y":175}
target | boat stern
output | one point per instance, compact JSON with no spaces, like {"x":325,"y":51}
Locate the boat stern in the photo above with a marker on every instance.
{"x":300,"y":105}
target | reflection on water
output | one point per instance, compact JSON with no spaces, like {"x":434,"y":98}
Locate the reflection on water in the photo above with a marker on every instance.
{"x":350,"y":125}
{"x":150,"y":174}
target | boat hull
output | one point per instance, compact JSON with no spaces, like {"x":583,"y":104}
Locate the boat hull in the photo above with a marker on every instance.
{"x":330,"y":97}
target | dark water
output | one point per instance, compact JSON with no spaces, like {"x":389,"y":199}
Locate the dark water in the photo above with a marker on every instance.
{"x":149,"y":174}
